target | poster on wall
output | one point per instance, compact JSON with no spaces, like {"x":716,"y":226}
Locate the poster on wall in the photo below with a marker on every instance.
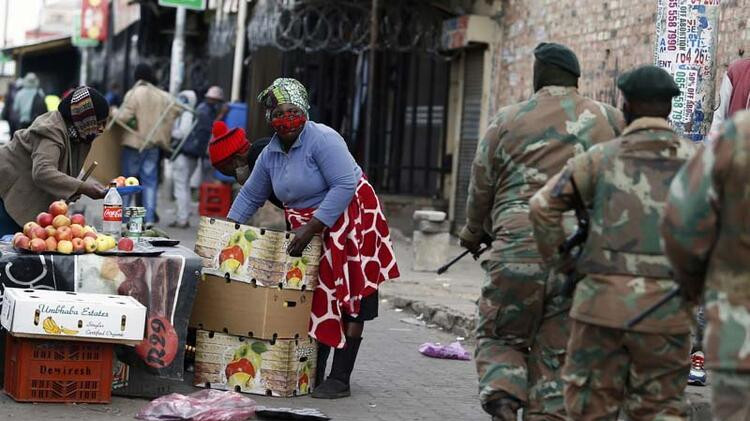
{"x":686,"y":35}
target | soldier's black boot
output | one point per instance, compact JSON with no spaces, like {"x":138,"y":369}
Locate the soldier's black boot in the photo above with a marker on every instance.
{"x":504,"y":408}
{"x":337,"y":384}
{"x":320,"y":370}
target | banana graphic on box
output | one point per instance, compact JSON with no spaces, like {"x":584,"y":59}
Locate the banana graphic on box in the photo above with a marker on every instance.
{"x":51,"y":327}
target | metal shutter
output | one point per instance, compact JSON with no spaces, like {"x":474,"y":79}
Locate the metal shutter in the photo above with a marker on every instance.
{"x":472,"y":108}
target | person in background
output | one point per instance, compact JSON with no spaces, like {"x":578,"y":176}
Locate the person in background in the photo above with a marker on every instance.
{"x":232,"y":155}
{"x":308,"y":166}
{"x":114,"y":95}
{"x":40,"y":164}
{"x":186,"y":161}
{"x":28,"y":103}
{"x":9,"y":114}
{"x":706,"y":236}
{"x":141,"y":109}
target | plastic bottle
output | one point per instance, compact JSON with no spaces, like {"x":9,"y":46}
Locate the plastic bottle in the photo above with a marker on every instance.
{"x":112,"y":214}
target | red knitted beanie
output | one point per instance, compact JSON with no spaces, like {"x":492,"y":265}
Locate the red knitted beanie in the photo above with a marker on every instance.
{"x":225,"y":143}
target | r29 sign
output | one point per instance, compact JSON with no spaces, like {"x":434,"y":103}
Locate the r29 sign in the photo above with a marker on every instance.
{"x":159,"y":346}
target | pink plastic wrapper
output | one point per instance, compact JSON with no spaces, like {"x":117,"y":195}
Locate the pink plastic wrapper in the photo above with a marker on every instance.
{"x":206,"y":405}
{"x":453,"y":351}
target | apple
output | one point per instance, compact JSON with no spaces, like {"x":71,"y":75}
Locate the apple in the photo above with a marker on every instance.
{"x":51,"y":231}
{"x":119,"y":181}
{"x":91,"y":235}
{"x":44,"y":219}
{"x":77,"y":231}
{"x":78,"y":219}
{"x":61,"y":221}
{"x":233,"y":252}
{"x":38,"y":245}
{"x":58,"y":208}
{"x":38,"y":232}
{"x":64,"y":234}
{"x":89,"y":244}
{"x":132,"y":181}
{"x":51,"y":244}
{"x":103,"y":244}
{"x":65,"y":247}
{"x":28,"y":227}
{"x":78,"y":245}
{"x":125,"y":244}
{"x":21,"y":241}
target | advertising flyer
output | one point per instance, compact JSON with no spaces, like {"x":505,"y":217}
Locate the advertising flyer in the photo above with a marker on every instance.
{"x":686,"y":37}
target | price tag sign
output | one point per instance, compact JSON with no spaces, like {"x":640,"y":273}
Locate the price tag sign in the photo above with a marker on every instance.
{"x":159,"y":347}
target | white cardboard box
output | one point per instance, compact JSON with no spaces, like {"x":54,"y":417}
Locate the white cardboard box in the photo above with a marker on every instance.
{"x":73,"y":316}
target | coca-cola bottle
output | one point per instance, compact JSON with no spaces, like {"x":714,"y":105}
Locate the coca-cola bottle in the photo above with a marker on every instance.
{"x":112,"y":214}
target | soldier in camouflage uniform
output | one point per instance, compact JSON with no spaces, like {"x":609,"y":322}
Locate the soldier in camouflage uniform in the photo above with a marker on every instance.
{"x":522,"y":327}
{"x":624,"y":183}
{"x":706,"y":234}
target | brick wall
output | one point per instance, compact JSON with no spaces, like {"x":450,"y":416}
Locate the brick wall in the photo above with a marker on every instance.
{"x":609,"y":36}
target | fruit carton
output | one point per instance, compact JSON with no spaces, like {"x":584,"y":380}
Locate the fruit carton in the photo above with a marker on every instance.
{"x":73,"y":316}
{"x":257,"y":255}
{"x":281,"y":368}
{"x":240,"y":308}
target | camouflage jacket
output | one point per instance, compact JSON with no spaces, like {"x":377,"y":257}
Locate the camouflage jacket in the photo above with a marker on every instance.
{"x":706,"y":233}
{"x":525,"y":145}
{"x":624,"y":183}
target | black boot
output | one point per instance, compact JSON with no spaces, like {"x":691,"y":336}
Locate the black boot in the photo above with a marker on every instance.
{"x":320,"y":370}
{"x":337,"y":384}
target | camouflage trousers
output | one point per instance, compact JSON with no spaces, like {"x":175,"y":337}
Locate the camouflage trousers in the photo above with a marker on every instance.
{"x":522,"y":332}
{"x":731,"y":395}
{"x":642,"y":374}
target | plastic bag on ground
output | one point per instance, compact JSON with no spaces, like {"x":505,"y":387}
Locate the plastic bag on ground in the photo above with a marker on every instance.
{"x":205,"y":405}
{"x":454,"y":351}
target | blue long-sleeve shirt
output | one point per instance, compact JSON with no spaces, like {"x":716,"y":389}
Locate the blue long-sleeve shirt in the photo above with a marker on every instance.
{"x":317,"y":172}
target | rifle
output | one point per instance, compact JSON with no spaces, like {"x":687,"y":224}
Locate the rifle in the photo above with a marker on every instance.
{"x":447,"y":266}
{"x":575,"y":241}
{"x":647,"y":312}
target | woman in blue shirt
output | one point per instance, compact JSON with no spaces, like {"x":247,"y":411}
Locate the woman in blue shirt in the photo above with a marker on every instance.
{"x":308,"y":166}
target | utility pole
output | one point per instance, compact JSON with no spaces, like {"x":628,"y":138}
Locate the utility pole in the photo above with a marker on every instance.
{"x":5,"y":32}
{"x":239,"y":51}
{"x":84,"y":70}
{"x":371,"y":81}
{"x":177,"y":65}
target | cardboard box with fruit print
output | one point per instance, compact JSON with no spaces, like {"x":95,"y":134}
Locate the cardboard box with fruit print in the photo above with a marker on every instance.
{"x":258,"y":256}
{"x":283,"y":368}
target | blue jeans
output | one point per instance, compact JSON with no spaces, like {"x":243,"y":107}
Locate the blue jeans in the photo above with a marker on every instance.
{"x":7,"y":225}
{"x":144,"y":166}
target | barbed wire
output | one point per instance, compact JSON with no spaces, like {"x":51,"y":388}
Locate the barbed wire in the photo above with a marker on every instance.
{"x":316,"y":25}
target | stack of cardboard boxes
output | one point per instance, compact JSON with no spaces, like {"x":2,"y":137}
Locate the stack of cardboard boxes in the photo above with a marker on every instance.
{"x":252,"y":311}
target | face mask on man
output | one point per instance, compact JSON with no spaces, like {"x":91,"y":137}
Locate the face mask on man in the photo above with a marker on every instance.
{"x":242,"y":174}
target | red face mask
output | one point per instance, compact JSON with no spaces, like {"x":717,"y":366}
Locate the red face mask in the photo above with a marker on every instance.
{"x":288,"y":123}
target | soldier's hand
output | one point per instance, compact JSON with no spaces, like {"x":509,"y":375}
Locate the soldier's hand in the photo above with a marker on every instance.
{"x":470,"y":240}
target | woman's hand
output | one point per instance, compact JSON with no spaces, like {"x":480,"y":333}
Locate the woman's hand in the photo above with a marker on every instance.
{"x":302,"y":237}
{"x":92,"y":189}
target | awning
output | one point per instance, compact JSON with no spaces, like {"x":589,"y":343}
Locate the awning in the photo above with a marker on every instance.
{"x":48,"y":44}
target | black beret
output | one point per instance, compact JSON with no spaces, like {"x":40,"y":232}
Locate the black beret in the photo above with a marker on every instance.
{"x":648,"y":82}
{"x":559,"y":55}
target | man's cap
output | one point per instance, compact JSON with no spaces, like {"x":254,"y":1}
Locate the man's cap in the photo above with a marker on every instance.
{"x":559,"y":55}
{"x":648,"y":82}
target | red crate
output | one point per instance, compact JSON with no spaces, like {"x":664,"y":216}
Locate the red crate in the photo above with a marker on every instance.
{"x":215,"y":199}
{"x":38,"y":370}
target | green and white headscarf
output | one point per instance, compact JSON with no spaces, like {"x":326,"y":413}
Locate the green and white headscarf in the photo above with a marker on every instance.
{"x":284,"y":91}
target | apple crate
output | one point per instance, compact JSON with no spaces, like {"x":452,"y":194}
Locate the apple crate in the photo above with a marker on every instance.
{"x":39,"y":370}
{"x":282,"y":368}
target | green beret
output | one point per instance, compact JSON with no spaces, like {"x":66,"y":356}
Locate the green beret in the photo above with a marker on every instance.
{"x":559,"y":55}
{"x":648,"y":82}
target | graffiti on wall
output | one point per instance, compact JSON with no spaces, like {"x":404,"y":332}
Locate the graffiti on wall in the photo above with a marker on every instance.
{"x":686,"y":35}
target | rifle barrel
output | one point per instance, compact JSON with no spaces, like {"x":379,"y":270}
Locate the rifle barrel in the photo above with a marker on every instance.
{"x":647,"y":312}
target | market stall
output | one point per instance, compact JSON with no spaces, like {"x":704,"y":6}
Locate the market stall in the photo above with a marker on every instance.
{"x":164,"y":283}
